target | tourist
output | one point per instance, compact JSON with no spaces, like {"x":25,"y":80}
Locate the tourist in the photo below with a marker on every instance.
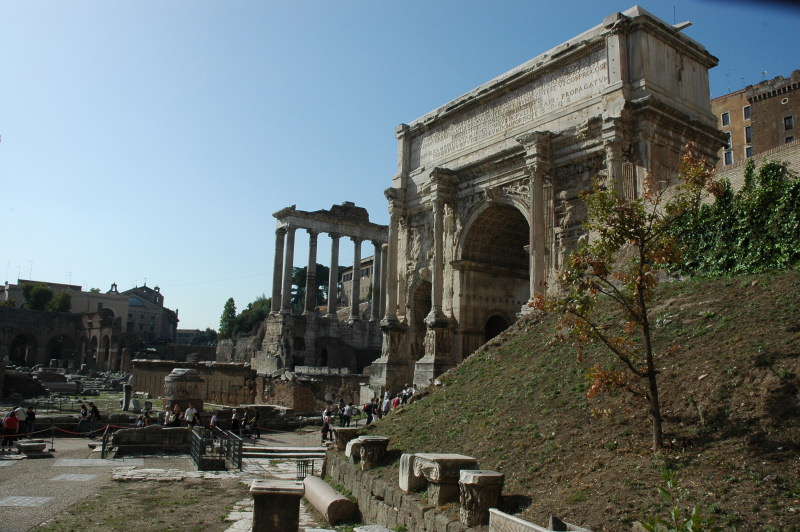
{"x":254,"y":428}
{"x":22,"y":426}
{"x":386,"y":406}
{"x":347,"y":414}
{"x":94,"y":419}
{"x":83,"y":418}
{"x":236,"y":422}
{"x":175,"y":416}
{"x":326,"y":424}
{"x":396,"y":401}
{"x":214,"y":420}
{"x":190,"y":416}
{"x":368,"y":409}
{"x":341,"y":406}
{"x":10,"y":428}
{"x":30,"y":421}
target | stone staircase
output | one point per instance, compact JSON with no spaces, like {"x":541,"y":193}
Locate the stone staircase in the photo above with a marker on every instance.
{"x":283,"y":453}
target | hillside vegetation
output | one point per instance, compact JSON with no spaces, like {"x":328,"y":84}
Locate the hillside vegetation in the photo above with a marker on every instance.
{"x":730,"y":399}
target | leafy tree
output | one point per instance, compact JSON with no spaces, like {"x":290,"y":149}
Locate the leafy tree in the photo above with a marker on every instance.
{"x":750,"y":231}
{"x":227,"y":322}
{"x":256,"y":312}
{"x":629,"y":243}
{"x":8,"y":303}
{"x":299,"y":285}
{"x":207,"y":337}
{"x":94,"y":290}
{"x":37,"y":295}
{"x":61,"y":302}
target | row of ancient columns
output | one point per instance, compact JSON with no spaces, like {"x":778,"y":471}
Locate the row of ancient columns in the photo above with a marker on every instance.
{"x":284,"y":263}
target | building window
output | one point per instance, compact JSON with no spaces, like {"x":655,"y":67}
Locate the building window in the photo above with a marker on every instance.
{"x":748,"y":151}
{"x":726,"y":118}
{"x":746,"y":112}
{"x":748,"y":135}
{"x":728,"y":158}
{"x":729,"y":142}
{"x":788,"y":123}
{"x":789,"y":139}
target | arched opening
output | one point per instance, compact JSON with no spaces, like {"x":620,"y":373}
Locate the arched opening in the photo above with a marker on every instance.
{"x":493,"y":272}
{"x":420,"y":307}
{"x":494,"y":326}
{"x":23,"y":350}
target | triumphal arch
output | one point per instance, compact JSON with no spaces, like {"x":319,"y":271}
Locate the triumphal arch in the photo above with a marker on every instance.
{"x":484,"y":206}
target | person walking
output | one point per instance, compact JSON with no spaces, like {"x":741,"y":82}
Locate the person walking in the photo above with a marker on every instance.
{"x":255,"y":430}
{"x":347,"y":414}
{"x":236,"y":422}
{"x":10,"y":428}
{"x":83,"y":418}
{"x":190,"y":415}
{"x":94,"y":419}
{"x":30,"y":421}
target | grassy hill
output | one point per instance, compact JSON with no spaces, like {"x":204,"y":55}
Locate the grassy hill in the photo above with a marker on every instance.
{"x":730,"y":399}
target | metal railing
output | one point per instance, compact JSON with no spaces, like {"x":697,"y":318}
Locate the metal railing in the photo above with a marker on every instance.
{"x":216,"y":449}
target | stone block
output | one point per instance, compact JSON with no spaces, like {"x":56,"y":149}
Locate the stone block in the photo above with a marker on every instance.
{"x":479,"y":491}
{"x":343,"y":435}
{"x":407,"y":480}
{"x":503,"y":522}
{"x":371,"y":528}
{"x":353,"y":451}
{"x":276,"y":505}
{"x":334,"y":507}
{"x":373,"y":450}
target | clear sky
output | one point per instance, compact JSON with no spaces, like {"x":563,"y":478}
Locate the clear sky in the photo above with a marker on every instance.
{"x":151,"y":141}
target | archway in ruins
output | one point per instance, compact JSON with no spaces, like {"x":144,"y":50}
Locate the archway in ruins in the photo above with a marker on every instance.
{"x":493,"y":272}
{"x":494,"y":326}
{"x":23,"y":350}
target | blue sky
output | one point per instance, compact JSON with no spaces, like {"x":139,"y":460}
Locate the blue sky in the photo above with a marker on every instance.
{"x":150,"y":141}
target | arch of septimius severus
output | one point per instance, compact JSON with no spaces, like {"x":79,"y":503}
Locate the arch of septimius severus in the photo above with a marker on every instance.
{"x":484,"y":206}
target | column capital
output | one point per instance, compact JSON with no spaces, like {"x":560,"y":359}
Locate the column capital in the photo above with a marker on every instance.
{"x":280,"y":231}
{"x":335,"y":236}
{"x":356,"y":239}
{"x":312,"y":233}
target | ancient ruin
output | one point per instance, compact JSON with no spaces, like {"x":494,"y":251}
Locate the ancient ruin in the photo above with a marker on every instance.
{"x":484,"y":207}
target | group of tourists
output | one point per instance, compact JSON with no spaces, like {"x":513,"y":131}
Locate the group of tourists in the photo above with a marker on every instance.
{"x":377,"y":407}
{"x":245,"y":423}
{"x":88,"y":418}
{"x":17,"y":423}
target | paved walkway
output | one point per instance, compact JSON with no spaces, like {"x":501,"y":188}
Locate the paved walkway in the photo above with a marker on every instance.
{"x":33,"y":491}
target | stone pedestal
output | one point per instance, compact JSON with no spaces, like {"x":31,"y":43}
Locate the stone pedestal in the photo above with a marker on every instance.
{"x":437,"y":359}
{"x":479,"y":491}
{"x":373,"y":450}
{"x":184,"y":386}
{"x":442,"y":471}
{"x":342,"y":435}
{"x":276,"y":505}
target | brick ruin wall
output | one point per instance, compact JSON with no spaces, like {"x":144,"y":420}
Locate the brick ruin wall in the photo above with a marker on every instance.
{"x":234,"y":384}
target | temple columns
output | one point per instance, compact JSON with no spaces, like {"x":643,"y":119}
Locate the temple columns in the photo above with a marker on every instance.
{"x":377,"y":268}
{"x":286,"y":300}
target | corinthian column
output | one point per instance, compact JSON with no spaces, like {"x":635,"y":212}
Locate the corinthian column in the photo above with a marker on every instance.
{"x":538,"y":160}
{"x":436,"y":315}
{"x":333,"y":276}
{"x":286,"y":301}
{"x":377,"y":266}
{"x":356,"y":285}
{"x":277,"y":270}
{"x":311,"y":273}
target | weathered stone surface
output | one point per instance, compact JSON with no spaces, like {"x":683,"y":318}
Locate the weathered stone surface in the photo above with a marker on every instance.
{"x":334,"y":507}
{"x":442,"y":471}
{"x":342,"y":435}
{"x":408,"y":481}
{"x":353,"y":450}
{"x":502,"y":522}
{"x":479,"y":491}
{"x":373,"y":450}
{"x":276,"y":505}
{"x":151,"y":438}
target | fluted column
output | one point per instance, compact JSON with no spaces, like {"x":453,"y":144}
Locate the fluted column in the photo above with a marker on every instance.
{"x":377,"y":266}
{"x":390,"y":318}
{"x":354,"y":313}
{"x":537,"y":277}
{"x":384,"y":267}
{"x":288,"y":264}
{"x":436,"y":315}
{"x":277,"y":270}
{"x":333,"y":275}
{"x":311,"y":272}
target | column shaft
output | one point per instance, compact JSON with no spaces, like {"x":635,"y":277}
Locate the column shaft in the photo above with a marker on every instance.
{"x":356,"y":296}
{"x":376,"y":282}
{"x":333,"y":276}
{"x":311,"y":273}
{"x":288,"y":265}
{"x":391,"y":271}
{"x":277,"y":270}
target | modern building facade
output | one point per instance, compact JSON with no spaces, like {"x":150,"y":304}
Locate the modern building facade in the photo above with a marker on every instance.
{"x":758,"y":118}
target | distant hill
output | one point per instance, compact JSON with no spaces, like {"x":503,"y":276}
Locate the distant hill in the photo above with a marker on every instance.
{"x":730,"y":398}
